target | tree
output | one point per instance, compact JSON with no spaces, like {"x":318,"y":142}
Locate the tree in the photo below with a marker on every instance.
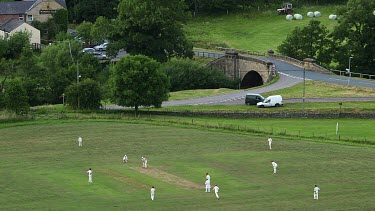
{"x":137,"y":81}
{"x":84,"y":95}
{"x":15,"y":97}
{"x":153,"y":28}
{"x":355,"y":37}
{"x":309,"y":42}
{"x":186,"y":74}
{"x":84,"y":31}
{"x":101,"y":29}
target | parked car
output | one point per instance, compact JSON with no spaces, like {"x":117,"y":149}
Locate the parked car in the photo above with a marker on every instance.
{"x":88,"y":50}
{"x":101,"y":47}
{"x":274,"y":100}
{"x":253,"y":99}
{"x":100,"y":56}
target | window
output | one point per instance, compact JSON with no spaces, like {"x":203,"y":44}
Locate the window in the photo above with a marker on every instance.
{"x":29,"y":17}
{"x":20,"y":17}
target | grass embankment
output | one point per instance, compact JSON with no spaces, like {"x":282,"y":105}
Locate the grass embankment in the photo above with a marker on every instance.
{"x":254,"y":30}
{"x":313,"y":89}
{"x":42,"y":168}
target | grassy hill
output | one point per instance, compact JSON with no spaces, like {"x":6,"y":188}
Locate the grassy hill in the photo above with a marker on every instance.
{"x":252,"y":31}
{"x":42,"y":168}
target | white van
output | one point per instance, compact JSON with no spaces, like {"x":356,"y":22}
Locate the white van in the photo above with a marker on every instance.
{"x":274,"y":100}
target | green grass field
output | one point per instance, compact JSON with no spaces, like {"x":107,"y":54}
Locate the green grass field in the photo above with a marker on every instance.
{"x":251,"y":31}
{"x":42,"y":168}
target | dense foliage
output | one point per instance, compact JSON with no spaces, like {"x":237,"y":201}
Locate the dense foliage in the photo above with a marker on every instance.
{"x":152,"y":28}
{"x":83,"y":95}
{"x":309,"y":42}
{"x":137,"y":81}
{"x":186,"y":75}
{"x":15,"y":97}
{"x":355,"y":36}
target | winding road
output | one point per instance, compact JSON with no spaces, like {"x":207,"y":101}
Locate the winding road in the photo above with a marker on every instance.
{"x":289,"y":75}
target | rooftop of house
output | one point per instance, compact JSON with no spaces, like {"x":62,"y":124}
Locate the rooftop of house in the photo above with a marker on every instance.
{"x":21,"y":7}
{"x":10,"y":25}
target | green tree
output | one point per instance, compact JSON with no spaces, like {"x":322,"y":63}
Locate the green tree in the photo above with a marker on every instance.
{"x":185,"y":74}
{"x":309,"y":42}
{"x":101,"y":29}
{"x":137,"y":81}
{"x":153,"y":28}
{"x":15,"y":97}
{"x":83,"y":95}
{"x":355,"y":36}
{"x":84,"y":31}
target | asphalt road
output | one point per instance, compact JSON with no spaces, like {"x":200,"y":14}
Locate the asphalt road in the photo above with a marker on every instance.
{"x":289,"y":76}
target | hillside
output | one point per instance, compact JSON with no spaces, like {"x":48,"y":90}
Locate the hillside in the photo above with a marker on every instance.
{"x":251,"y":31}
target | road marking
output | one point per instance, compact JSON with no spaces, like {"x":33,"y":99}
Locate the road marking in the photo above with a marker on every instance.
{"x":293,"y":76}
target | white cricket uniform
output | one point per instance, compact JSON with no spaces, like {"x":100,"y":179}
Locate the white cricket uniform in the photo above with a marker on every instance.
{"x":145,"y":162}
{"x":125,"y":159}
{"x":208,"y":186}
{"x":274,"y":164}
{"x":270,"y":142}
{"x":208,"y":177}
{"x":216,"y":189}
{"x":316,"y":193}
{"x":89,"y":172}
{"x":152,"y":193}
{"x":79,"y":141}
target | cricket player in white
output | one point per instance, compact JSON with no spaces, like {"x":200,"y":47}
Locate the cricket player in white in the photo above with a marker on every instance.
{"x":274,"y":164}
{"x":80,"y":141}
{"x":270,"y":142}
{"x":89,"y":172}
{"x":125,"y":159}
{"x":208,"y":177}
{"x":316,"y":192}
{"x":208,"y":186}
{"x":216,"y":189}
{"x":145,"y":162}
{"x":152,"y":193}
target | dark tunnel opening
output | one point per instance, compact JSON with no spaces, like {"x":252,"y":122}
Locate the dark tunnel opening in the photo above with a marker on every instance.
{"x":251,"y":79}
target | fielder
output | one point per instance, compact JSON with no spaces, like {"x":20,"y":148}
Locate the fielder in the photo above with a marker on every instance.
{"x":89,"y":172}
{"x":79,"y":141}
{"x":125,"y":159}
{"x":216,"y":189}
{"x":208,"y":186}
{"x":316,"y":192}
{"x":152,"y":193}
{"x":208,"y":177}
{"x":143,"y":162}
{"x":270,"y":142}
{"x":274,"y":164}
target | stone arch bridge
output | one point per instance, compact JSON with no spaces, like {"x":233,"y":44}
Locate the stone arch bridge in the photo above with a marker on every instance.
{"x":249,"y":70}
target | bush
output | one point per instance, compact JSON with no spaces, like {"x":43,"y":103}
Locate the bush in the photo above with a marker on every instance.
{"x":185,"y":74}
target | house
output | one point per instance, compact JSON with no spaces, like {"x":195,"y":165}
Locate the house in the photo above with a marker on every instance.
{"x":12,"y":26}
{"x":30,"y":10}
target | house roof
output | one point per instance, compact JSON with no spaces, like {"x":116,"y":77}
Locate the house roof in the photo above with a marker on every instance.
{"x":10,"y":25}
{"x":61,"y":2}
{"x":15,"y":7}
{"x":21,"y":7}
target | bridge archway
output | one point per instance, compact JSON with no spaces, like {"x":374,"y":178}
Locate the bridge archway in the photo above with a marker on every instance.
{"x":251,"y":79}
